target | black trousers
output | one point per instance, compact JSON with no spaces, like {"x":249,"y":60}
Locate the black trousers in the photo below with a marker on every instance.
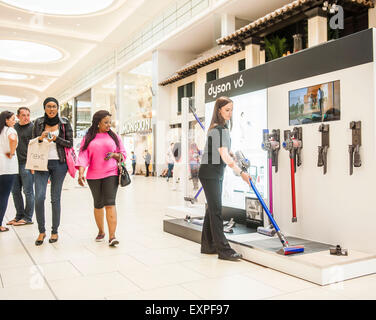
{"x":147,"y":169}
{"x":212,"y":237}
{"x":133,"y":168}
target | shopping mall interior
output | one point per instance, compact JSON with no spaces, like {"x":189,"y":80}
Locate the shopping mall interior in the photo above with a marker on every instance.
{"x":300,"y":75}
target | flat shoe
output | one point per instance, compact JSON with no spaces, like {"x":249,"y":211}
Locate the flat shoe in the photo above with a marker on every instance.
{"x":51,"y":240}
{"x":100,"y":237}
{"x":113,"y":242}
{"x":40,"y":242}
{"x":4,"y":230}
{"x":22,"y":223}
{"x":231,"y":257}
{"x":10,"y":223}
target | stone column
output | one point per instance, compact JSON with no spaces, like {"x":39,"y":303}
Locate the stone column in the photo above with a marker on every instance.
{"x":317,"y":27}
{"x":252,"y":53}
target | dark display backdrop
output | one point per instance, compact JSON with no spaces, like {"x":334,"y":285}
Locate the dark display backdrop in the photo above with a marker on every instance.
{"x":346,"y":52}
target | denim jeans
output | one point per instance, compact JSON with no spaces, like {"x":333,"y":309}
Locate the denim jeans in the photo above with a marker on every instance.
{"x":24,"y":180}
{"x":169,"y":172}
{"x":6,"y":184}
{"x":56,"y":172}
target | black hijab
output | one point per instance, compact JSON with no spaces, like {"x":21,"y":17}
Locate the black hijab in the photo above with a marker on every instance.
{"x":47,"y":120}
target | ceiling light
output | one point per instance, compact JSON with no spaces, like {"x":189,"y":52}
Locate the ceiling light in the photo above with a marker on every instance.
{"x":9,"y":99}
{"x":13,"y":76}
{"x":24,"y":51}
{"x":66,"y":7}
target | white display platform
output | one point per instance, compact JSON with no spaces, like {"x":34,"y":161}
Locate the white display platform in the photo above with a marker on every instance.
{"x":318,"y":267}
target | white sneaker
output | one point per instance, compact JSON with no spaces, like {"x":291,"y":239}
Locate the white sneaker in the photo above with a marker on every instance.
{"x":113,"y":242}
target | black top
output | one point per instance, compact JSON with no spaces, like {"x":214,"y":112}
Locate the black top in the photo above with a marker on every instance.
{"x":24,"y":136}
{"x":212,"y":165}
{"x":63,"y":140}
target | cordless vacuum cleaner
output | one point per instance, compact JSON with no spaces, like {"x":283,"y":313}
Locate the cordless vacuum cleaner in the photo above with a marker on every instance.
{"x":194,"y":199}
{"x":271,"y":144}
{"x":286,"y":249}
{"x":294,"y":144}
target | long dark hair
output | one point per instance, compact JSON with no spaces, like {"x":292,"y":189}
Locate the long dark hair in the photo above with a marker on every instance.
{"x":93,"y":130}
{"x":217,"y":119}
{"x":5,"y":115}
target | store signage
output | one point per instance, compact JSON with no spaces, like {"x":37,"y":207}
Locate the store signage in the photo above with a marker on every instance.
{"x":138,"y":126}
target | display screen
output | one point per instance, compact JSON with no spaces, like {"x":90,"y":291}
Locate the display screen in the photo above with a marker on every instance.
{"x":315,"y":104}
{"x":249,"y":120}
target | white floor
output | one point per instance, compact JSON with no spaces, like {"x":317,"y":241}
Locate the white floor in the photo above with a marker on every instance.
{"x":148,"y":263}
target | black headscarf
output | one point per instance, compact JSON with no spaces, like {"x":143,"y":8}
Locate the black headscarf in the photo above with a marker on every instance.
{"x":47,"y":120}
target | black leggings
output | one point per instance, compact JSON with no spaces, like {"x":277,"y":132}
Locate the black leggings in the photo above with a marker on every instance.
{"x":104,"y":191}
{"x":212,"y":237}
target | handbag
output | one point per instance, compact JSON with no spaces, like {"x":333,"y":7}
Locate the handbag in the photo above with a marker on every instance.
{"x":70,"y":158}
{"x":124,"y":178}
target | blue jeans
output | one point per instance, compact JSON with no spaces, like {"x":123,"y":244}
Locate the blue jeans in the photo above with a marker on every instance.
{"x":6,"y":184}
{"x":56,"y":172}
{"x":169,"y":172}
{"x":24,"y":180}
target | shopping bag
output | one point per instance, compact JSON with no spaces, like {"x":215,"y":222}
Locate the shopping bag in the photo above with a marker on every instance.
{"x":37,"y":155}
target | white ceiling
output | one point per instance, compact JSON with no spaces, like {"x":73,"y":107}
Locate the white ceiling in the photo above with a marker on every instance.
{"x":85,"y":39}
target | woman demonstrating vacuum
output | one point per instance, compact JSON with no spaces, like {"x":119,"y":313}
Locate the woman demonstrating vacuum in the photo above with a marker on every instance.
{"x":215,"y":158}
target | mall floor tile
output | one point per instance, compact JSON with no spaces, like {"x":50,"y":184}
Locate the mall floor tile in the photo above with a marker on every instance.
{"x":148,"y":264}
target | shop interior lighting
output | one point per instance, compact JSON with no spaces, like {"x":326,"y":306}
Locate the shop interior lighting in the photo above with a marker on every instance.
{"x":14,"y":76}
{"x":30,"y":52}
{"x":61,"y":7}
{"x":9,"y":99}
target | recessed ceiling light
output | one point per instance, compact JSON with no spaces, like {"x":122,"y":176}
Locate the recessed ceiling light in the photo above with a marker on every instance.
{"x":9,"y":99}
{"x":25,"y":51}
{"x":66,"y":7}
{"x":13,"y":76}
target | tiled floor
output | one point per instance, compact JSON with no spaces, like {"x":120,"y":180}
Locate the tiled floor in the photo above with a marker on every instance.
{"x":148,"y":263}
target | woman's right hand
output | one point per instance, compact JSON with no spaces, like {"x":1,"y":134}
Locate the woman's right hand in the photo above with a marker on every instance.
{"x":245,"y":176}
{"x":43,"y":135}
{"x":81,"y":180}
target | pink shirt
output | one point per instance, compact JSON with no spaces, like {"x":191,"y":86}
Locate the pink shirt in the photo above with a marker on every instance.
{"x":93,"y":157}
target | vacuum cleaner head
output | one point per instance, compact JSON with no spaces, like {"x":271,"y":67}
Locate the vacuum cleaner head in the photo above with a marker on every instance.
{"x":290,"y":250}
{"x":269,"y":231}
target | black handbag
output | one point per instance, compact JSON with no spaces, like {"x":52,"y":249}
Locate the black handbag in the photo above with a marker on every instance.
{"x":124,"y":178}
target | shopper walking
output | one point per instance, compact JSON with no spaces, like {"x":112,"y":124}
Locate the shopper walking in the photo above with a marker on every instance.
{"x":100,"y":151}
{"x":215,"y":158}
{"x":133,"y":158}
{"x":178,"y":165}
{"x":170,"y":161}
{"x":58,"y":131}
{"x":8,"y":160}
{"x":25,"y":179}
{"x":147,"y":158}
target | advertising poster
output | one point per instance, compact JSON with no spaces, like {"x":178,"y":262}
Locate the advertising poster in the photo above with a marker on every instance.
{"x":249,"y":120}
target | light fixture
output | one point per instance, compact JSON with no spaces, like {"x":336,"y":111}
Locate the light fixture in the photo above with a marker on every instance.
{"x":9,"y":99}
{"x":332,"y":7}
{"x":30,"y":52}
{"x":14,"y":76}
{"x":66,"y":7}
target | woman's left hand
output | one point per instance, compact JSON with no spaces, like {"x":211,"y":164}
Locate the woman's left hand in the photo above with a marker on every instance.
{"x":110,"y":155}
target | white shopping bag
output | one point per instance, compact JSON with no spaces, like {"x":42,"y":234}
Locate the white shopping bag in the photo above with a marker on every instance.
{"x":37,"y":155}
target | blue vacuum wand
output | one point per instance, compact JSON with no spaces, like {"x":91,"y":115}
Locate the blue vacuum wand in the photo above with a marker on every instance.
{"x":286,"y":250}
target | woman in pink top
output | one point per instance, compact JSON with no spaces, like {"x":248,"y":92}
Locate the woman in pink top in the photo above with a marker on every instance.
{"x":100,"y":151}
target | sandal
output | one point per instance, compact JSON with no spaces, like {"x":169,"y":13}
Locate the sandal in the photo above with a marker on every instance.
{"x":10,"y":223}
{"x":3,"y":230}
{"x":22,"y":222}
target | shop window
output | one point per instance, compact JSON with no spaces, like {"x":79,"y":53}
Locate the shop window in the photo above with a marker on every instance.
{"x":241,"y":65}
{"x":212,"y":75}
{"x":185,"y":91}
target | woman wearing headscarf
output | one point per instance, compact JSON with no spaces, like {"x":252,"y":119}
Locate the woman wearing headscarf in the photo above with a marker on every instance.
{"x":8,"y":160}
{"x":101,"y":150}
{"x":58,"y":131}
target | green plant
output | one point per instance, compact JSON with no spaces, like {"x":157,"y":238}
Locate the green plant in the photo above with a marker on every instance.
{"x":275,"y":48}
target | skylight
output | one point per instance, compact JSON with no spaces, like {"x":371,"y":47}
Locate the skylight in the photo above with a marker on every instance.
{"x":25,"y":51}
{"x":61,"y":7}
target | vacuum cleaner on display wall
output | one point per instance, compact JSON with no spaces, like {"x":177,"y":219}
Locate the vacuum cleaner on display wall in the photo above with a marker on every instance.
{"x":271,"y":144}
{"x":244,"y":163}
{"x":323,"y":149}
{"x":294,"y":144}
{"x":354,"y":152}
